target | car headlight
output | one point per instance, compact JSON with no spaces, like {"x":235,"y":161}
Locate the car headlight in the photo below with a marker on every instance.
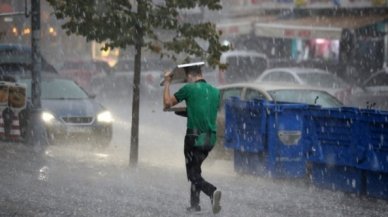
{"x":47,"y":117}
{"x":105,"y":117}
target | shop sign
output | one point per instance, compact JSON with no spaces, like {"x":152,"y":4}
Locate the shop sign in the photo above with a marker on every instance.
{"x":292,"y":33}
{"x":276,"y":4}
{"x":235,"y":28}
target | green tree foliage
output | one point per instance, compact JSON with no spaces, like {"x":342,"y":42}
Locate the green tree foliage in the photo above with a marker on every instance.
{"x":122,"y":23}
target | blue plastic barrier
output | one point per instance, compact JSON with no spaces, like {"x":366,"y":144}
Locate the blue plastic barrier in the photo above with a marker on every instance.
{"x":286,"y":140}
{"x":374,"y":141}
{"x":274,"y":131}
{"x":374,"y":148}
{"x":377,"y":184}
{"x":343,"y":178}
{"x":231,"y":113}
{"x":347,"y":148}
{"x":245,"y":123}
{"x":335,"y":152}
{"x":334,"y":134}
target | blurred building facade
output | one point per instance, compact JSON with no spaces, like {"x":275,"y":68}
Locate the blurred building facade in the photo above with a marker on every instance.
{"x":56,"y":45}
{"x":350,"y":32}
{"x":346,"y":36}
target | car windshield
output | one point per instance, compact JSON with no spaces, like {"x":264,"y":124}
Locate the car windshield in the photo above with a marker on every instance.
{"x":19,"y":55}
{"x":57,"y":89}
{"x":79,"y":66}
{"x":244,"y":68}
{"x":380,"y":79}
{"x":322,"y":80}
{"x":16,"y":55}
{"x":312,"y":97}
{"x":14,"y":69}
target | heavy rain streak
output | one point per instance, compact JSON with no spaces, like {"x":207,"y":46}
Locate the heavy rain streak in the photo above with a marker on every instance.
{"x":302,"y":122}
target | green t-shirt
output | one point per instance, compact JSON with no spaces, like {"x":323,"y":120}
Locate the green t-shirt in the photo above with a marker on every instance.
{"x":202,"y":102}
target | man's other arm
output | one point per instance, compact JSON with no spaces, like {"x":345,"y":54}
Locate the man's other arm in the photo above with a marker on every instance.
{"x":168,"y":100}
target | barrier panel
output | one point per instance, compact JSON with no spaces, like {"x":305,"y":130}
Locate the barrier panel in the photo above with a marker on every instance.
{"x":334,"y":177}
{"x":374,"y":147}
{"x":373,"y":143}
{"x":230,"y":135}
{"x":287,"y":140}
{"x":268,"y":138}
{"x":245,"y":123}
{"x":377,"y":184}
{"x":13,"y":102}
{"x":333,"y":132}
{"x":335,"y":152}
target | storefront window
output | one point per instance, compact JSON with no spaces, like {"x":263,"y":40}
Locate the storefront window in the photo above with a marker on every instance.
{"x":316,"y":49}
{"x":109,"y":55}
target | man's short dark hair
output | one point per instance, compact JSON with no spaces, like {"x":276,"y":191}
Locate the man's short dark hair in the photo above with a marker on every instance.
{"x":193,"y":70}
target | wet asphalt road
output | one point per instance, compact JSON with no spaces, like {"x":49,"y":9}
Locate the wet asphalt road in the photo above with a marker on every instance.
{"x":79,"y":180}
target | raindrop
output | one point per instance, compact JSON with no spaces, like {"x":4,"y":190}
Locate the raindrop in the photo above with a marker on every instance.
{"x":43,"y":173}
{"x":354,"y":183}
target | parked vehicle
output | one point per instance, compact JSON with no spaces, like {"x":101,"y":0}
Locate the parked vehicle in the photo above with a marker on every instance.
{"x":14,"y":57}
{"x":70,"y":113}
{"x":83,"y":71}
{"x":242,"y":66}
{"x":309,"y":76}
{"x":119,"y":83}
{"x":293,"y":93}
{"x":13,"y":103}
{"x":375,"y":94}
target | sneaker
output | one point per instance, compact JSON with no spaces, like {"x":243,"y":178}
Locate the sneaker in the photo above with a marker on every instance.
{"x":216,"y":207}
{"x":193,"y":209}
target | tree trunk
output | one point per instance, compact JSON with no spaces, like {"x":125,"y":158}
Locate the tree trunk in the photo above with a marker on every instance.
{"x":36,"y":55}
{"x":36,"y":132}
{"x":134,"y":150}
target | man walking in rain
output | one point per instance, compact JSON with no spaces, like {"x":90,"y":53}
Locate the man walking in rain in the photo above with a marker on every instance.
{"x":202,"y":102}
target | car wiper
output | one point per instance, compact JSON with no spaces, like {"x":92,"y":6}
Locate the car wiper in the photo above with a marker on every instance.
{"x":66,"y":98}
{"x":370,"y":105}
{"x":59,"y":98}
{"x":316,"y":99}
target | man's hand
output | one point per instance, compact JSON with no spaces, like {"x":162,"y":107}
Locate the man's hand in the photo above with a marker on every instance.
{"x":167,"y":77}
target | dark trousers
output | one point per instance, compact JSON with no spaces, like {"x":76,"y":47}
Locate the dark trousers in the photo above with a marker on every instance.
{"x":194,"y":157}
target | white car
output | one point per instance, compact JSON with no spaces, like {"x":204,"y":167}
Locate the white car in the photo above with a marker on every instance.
{"x":242,"y":66}
{"x":309,"y":76}
{"x":375,"y":94}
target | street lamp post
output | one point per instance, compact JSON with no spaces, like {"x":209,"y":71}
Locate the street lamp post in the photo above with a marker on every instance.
{"x":36,"y":132}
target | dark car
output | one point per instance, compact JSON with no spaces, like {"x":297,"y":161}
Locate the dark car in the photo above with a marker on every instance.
{"x":70,"y":113}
